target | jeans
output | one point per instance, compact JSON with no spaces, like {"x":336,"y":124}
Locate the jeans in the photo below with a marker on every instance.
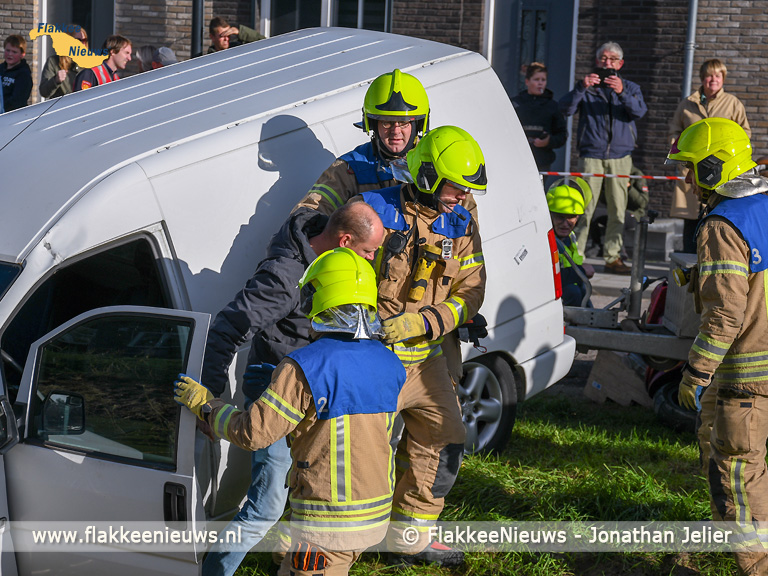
{"x":262,"y":509}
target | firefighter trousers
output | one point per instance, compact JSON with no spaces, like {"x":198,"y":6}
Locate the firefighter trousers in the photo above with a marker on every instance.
{"x":337,"y":562}
{"x":430,"y":455}
{"x":738,"y":477}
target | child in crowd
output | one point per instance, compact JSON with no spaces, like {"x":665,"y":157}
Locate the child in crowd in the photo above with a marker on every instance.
{"x":15,"y":74}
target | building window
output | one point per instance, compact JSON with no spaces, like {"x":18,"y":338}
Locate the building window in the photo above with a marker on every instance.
{"x":533,"y":39}
{"x":288,"y":15}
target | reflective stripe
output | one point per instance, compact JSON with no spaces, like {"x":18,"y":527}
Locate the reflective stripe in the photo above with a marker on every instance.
{"x":413,"y":518}
{"x":422,"y":352}
{"x":339,"y":448}
{"x":390,"y":425}
{"x":221,"y":422}
{"x":723,"y":267}
{"x":709,"y":347}
{"x":370,"y":505}
{"x":746,"y":359}
{"x":338,"y":525}
{"x":740,"y":375}
{"x":271,"y":399}
{"x":328,"y":193}
{"x":471,"y":261}
{"x":743,"y":513}
{"x":458,"y":309}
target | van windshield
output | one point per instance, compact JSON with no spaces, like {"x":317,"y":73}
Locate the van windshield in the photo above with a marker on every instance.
{"x":8,"y":273}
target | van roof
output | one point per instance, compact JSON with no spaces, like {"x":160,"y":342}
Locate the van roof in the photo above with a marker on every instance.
{"x":55,"y":151}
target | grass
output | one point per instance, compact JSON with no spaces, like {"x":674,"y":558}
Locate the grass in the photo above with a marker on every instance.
{"x":570,"y":459}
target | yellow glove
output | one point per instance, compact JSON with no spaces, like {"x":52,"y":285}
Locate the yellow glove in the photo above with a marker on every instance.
{"x":689,"y":395}
{"x":403,"y":326}
{"x":189,"y":393}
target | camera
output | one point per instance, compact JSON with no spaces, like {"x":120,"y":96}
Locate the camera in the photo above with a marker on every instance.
{"x":605,"y":73}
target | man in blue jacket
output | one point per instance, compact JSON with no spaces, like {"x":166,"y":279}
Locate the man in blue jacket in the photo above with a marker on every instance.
{"x":608,"y":106}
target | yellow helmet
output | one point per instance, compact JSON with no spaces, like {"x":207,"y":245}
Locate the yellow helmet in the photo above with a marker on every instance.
{"x":447,"y":153}
{"x":569,"y":197}
{"x":399,"y":95}
{"x":335,"y":278}
{"x":718,"y":149}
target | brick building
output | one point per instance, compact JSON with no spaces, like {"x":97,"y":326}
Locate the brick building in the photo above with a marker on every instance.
{"x":652,"y":33}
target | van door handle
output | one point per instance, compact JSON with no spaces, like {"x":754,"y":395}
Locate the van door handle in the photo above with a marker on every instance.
{"x":174,"y":505}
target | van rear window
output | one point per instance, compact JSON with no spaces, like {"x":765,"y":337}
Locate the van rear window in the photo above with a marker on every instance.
{"x":8,"y":274}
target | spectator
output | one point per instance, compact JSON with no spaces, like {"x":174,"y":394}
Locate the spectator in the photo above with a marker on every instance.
{"x":163,"y":57}
{"x":119,"y":49}
{"x":15,"y":73}
{"x":267,"y":310}
{"x":566,"y":203}
{"x":709,"y":101}
{"x":608,"y":106}
{"x":59,"y":72}
{"x":224,"y":36}
{"x":144,"y":57}
{"x":540,"y":116}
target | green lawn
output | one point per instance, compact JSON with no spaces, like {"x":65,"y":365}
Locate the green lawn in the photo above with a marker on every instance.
{"x":570,"y":459}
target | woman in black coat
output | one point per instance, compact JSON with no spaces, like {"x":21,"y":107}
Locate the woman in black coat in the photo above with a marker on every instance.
{"x":538,"y":112}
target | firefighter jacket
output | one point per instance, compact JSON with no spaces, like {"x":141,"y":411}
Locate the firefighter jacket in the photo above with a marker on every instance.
{"x":340,"y":423}
{"x":732,"y":343}
{"x":355,"y":172}
{"x":455,"y":286}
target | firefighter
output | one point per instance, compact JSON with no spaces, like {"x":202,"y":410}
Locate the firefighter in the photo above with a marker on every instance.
{"x":395,"y":115}
{"x":340,"y":421}
{"x":431,"y":279}
{"x":566,"y":203}
{"x":727,"y":360}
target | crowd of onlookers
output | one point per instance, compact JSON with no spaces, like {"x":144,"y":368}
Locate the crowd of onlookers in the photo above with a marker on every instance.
{"x":61,"y":74}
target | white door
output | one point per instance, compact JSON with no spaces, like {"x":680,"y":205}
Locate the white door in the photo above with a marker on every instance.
{"x":103,"y":443}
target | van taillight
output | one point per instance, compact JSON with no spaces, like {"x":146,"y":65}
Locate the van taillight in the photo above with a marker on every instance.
{"x":555,"y":264}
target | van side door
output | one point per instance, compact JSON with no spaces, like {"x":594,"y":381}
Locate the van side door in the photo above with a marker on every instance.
{"x":103,"y":442}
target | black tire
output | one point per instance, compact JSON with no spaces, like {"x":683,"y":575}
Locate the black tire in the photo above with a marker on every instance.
{"x":659,"y":363}
{"x":488,"y":397}
{"x":669,"y":412}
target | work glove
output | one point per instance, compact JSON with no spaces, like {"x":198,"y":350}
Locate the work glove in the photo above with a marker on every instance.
{"x":308,"y":558}
{"x":689,"y":395}
{"x":403,"y":327}
{"x":189,"y":393}
{"x":256,"y":379}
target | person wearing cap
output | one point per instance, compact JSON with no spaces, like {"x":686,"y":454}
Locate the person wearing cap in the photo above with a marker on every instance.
{"x":266,"y":313}
{"x":339,"y":421}
{"x":725,"y":377}
{"x":566,"y":204}
{"x":163,"y":56}
{"x":431,"y":278}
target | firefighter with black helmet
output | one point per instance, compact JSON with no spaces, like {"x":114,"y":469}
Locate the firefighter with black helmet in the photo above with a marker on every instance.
{"x":726,"y":377}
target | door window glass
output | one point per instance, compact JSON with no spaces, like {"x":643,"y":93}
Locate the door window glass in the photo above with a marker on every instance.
{"x":125,"y":274}
{"x":105,"y":387}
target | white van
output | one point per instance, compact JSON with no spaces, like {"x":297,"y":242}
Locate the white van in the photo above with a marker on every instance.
{"x":133,"y":211}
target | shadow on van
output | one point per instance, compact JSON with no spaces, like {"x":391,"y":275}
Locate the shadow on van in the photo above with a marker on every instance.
{"x":290,"y":148}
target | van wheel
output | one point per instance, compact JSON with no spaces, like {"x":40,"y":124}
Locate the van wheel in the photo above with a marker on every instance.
{"x":669,"y":411}
{"x":488,"y":398}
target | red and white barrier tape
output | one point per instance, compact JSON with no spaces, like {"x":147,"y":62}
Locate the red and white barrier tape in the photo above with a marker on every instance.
{"x":588,"y":175}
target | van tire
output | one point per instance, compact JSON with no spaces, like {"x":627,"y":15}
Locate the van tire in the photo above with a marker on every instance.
{"x":669,"y":411}
{"x":488,"y":398}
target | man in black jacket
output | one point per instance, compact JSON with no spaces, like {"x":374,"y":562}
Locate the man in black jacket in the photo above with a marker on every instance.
{"x":266,"y":310}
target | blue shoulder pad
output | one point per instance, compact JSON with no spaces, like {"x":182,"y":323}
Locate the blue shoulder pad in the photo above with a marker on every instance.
{"x":451,"y":224}
{"x":367,"y":168}
{"x":386,"y":202}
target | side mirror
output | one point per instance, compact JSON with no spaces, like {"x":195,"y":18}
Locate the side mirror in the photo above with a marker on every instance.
{"x":63,"y":414}
{"x":9,"y":432}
